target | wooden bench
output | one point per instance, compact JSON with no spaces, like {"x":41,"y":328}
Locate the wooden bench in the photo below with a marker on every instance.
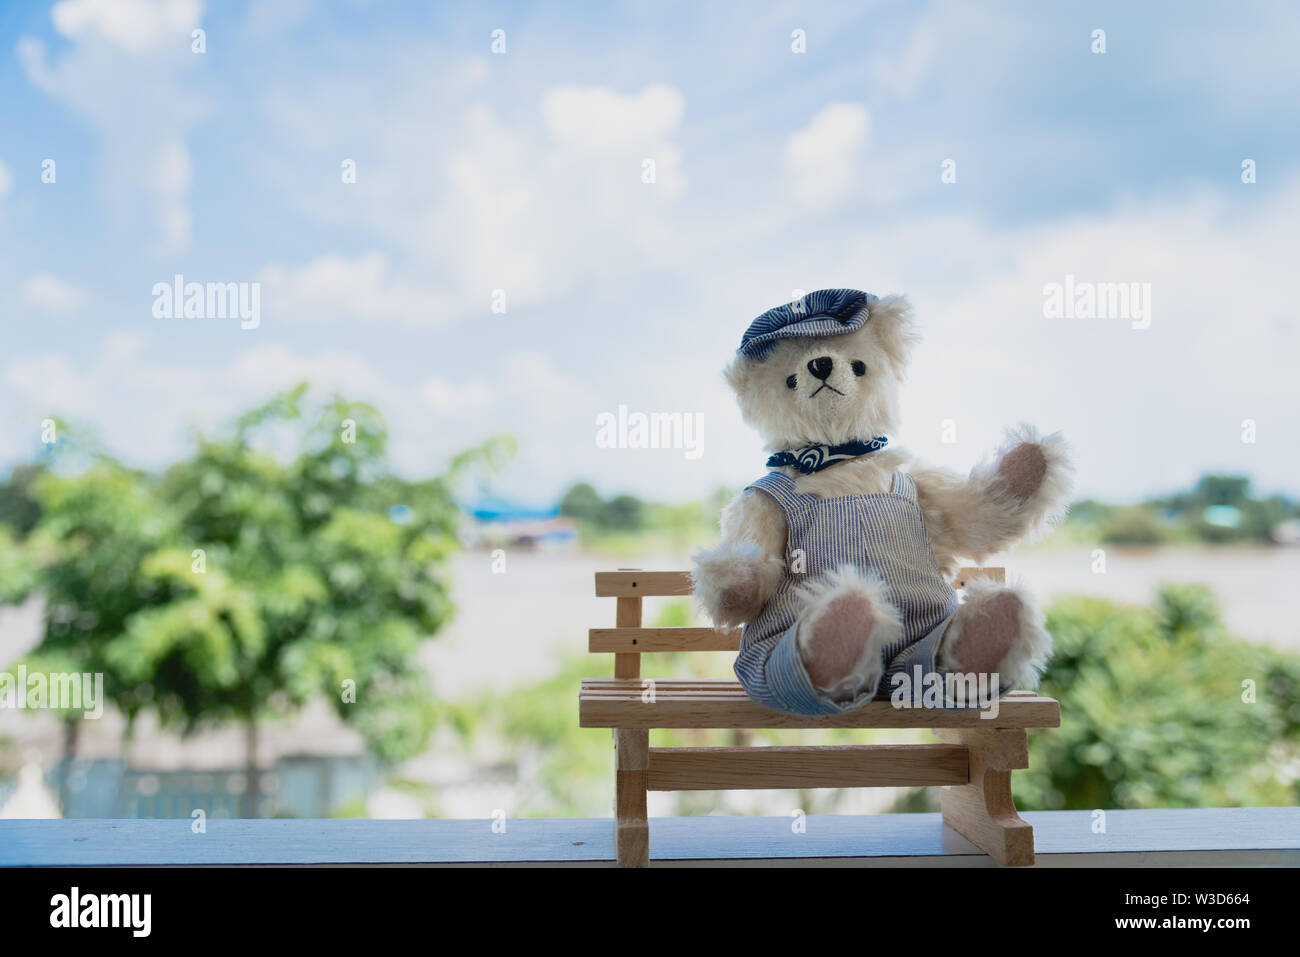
{"x":973,"y":762}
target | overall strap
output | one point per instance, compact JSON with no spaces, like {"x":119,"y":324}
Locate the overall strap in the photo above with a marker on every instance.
{"x":904,"y":485}
{"x":781,"y":488}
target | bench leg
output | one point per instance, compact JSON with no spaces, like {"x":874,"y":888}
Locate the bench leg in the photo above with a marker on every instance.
{"x":983,"y":811}
{"x":631,"y":824}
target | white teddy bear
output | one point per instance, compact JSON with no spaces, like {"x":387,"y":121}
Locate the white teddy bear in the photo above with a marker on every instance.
{"x":839,"y":561}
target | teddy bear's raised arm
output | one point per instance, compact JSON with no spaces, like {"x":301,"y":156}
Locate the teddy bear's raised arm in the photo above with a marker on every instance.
{"x":734,"y":581}
{"x":1026,"y":488}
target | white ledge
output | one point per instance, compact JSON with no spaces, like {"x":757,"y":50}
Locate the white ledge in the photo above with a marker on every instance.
{"x":1192,"y":837}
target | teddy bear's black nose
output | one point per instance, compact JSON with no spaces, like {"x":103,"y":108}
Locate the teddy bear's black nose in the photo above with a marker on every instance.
{"x":821,"y":368}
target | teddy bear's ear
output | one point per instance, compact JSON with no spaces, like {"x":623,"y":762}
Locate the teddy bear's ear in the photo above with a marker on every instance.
{"x":737,"y":373}
{"x":891,"y":328}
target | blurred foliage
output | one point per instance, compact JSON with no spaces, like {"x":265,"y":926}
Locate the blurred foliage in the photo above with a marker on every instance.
{"x":17,"y":570}
{"x":282,"y":561}
{"x":19,"y":509}
{"x":310,"y":586}
{"x":1157,"y":711}
{"x":626,"y":525}
{"x":96,"y":529}
{"x":1133,"y":525}
{"x":622,"y":513}
{"x":1218,"y":510}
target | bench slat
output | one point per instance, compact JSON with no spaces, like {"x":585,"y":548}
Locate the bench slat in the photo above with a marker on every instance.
{"x":628,"y":584}
{"x":639,"y":583}
{"x":970,"y":574}
{"x":836,"y":766}
{"x":609,"y":703}
{"x":642,"y":640}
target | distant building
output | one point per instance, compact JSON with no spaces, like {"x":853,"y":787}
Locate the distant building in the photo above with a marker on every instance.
{"x":500,"y":523}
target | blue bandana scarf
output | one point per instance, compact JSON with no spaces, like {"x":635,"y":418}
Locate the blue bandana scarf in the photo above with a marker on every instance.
{"x":814,"y":458}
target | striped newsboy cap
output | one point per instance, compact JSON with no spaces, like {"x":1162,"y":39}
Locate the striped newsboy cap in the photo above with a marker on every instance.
{"x":826,"y":312}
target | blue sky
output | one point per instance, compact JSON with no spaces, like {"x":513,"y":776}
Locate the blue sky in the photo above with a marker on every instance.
{"x":775,"y":171}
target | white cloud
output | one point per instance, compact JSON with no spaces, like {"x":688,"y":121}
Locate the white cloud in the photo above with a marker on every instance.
{"x":124,"y":70}
{"x":6,"y":180}
{"x":522,"y":214}
{"x":823,"y":156}
{"x":533,"y":377}
{"x":136,"y":26}
{"x":599,"y":119}
{"x":630,"y":128}
{"x":130,"y":398}
{"x":1146,"y":408}
{"x":264,"y":369}
{"x":445,"y":398}
{"x":47,"y":291}
{"x":526,"y":379}
{"x":510,"y":195}
{"x":334,"y":288}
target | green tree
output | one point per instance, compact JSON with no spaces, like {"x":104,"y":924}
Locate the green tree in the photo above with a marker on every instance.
{"x":281,"y":562}
{"x":19,"y":508}
{"x":304,"y":568}
{"x":582,"y":502}
{"x":96,"y":529}
{"x":1131,"y":525}
{"x":624,"y":513}
{"x":1222,"y":490}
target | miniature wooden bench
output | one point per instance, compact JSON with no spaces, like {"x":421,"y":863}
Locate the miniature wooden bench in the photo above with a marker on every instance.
{"x":973,"y":763}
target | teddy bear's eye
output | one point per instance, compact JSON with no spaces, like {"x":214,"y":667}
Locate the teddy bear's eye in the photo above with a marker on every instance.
{"x":792,"y":381}
{"x":859,"y":367}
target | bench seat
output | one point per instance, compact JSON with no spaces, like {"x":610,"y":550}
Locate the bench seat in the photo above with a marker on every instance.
{"x":709,"y":703}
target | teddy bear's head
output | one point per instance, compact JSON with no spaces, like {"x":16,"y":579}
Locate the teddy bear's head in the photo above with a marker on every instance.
{"x":825,"y":369}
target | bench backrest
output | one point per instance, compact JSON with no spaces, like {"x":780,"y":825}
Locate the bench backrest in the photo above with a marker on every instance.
{"x":628,"y":640}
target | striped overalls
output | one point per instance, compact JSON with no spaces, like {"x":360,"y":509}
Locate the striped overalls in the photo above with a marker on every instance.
{"x":881,"y":531}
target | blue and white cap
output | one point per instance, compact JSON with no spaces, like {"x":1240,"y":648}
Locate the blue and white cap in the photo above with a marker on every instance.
{"x":826,"y":312}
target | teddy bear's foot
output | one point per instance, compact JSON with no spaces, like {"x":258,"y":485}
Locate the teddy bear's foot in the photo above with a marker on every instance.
{"x":846,"y":623}
{"x":997,"y":630}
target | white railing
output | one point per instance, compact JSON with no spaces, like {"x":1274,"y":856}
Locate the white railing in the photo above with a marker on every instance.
{"x":1233,"y":837}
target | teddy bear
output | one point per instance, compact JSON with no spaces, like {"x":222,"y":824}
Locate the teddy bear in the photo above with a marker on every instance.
{"x":839,"y":562}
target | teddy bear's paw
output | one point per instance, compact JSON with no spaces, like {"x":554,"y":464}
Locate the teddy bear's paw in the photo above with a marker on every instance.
{"x":1034,"y":474}
{"x":998,"y":630}
{"x":846,"y":624}
{"x":733,"y":581}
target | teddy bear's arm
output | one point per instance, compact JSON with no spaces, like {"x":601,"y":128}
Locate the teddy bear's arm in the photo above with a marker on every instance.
{"x":1026,"y":488}
{"x":735,"y":580}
